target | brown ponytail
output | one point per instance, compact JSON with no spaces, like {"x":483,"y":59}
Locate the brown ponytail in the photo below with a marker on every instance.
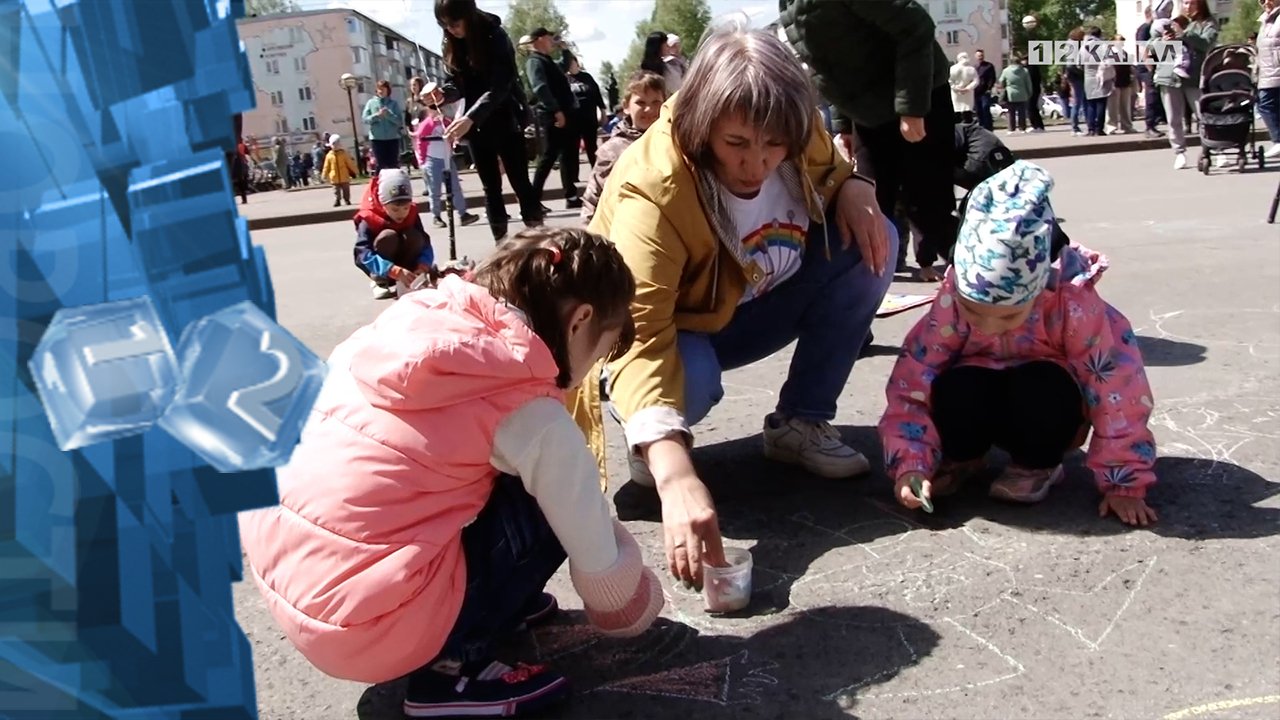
{"x":546,"y":271}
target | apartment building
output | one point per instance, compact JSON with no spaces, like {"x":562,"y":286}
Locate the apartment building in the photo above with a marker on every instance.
{"x":296,"y":60}
{"x":969,"y":25}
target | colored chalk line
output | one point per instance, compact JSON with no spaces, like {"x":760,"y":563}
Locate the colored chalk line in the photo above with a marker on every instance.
{"x":1221,"y":705}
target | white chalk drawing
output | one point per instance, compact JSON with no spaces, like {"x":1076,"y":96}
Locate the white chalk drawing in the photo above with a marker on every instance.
{"x":1218,"y":428}
{"x":731,"y":680}
{"x":1239,"y":328}
{"x":1008,"y":667}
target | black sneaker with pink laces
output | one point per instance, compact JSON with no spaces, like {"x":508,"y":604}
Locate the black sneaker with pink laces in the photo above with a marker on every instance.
{"x":484,"y":690}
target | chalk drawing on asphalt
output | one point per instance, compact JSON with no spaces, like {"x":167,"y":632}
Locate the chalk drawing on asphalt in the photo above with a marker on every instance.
{"x":1244,"y":333}
{"x":1217,"y":428}
{"x":736,"y":679}
{"x":1213,"y":709}
{"x":982,"y":658}
{"x":663,"y":640}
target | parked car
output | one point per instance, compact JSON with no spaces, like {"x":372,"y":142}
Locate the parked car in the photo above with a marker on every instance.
{"x":1051,"y":106}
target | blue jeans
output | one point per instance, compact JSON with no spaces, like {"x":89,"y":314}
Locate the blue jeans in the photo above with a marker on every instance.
{"x":1095,"y":111}
{"x":1269,"y":106}
{"x":983,"y":101}
{"x":1078,"y":101}
{"x":511,"y":554}
{"x":826,"y":308}
{"x":433,"y":177}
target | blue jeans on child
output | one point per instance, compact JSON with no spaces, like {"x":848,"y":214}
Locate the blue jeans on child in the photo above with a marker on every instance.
{"x":826,"y":308}
{"x":1078,"y":101}
{"x":511,"y":554}
{"x":433,"y":176}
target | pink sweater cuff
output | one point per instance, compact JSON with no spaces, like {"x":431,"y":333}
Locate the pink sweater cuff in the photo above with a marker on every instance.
{"x":623,"y":600}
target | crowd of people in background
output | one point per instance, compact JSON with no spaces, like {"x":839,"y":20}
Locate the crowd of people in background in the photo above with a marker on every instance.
{"x":453,"y":463}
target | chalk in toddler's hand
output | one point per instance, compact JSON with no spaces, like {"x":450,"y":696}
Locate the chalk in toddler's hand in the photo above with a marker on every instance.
{"x":918,"y":490}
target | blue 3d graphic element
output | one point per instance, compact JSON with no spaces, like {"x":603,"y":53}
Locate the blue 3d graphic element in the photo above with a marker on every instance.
{"x":104,"y":372}
{"x":138,"y":361}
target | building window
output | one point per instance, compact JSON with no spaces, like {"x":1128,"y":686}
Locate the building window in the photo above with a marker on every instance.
{"x":953,"y":37}
{"x":360,"y":86}
{"x":391,"y":43}
{"x":357,"y":54}
{"x":951,"y":8}
{"x":1004,"y":31}
{"x":282,"y":125}
{"x":300,"y":64}
{"x":308,"y":123}
{"x":273,"y":67}
{"x":353,"y":25}
{"x":304,"y":94}
{"x":277,"y":97}
{"x":295,"y":35}
{"x":408,"y":72}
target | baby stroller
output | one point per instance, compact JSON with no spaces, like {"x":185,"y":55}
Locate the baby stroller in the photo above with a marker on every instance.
{"x":1227,"y":101}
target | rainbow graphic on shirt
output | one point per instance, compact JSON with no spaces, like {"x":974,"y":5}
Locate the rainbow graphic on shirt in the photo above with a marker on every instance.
{"x":778,"y":247}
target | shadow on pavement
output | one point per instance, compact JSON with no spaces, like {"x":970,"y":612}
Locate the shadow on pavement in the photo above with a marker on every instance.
{"x":795,"y":518}
{"x":1163,"y":352}
{"x":1195,"y":499}
{"x":811,"y":665}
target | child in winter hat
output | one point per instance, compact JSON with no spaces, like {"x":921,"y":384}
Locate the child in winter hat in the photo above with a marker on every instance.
{"x":1020,"y":352}
{"x":392,"y":247}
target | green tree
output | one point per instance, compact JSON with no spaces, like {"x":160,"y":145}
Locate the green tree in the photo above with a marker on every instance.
{"x":635,"y":53}
{"x":1055,"y":19}
{"x":1243,"y":21}
{"x":255,"y":8}
{"x":686,"y":18}
{"x":525,"y":16}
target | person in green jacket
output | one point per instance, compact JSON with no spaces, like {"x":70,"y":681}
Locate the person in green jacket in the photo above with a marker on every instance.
{"x":878,"y":63}
{"x":385,"y":120}
{"x":1015,"y":82}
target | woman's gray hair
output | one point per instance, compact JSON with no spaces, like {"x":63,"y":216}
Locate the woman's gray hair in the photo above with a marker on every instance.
{"x":749,"y":73}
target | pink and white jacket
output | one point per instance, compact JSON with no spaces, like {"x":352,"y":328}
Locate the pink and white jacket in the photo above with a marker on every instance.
{"x":430,"y":127}
{"x":1070,"y":325}
{"x":361,"y":563}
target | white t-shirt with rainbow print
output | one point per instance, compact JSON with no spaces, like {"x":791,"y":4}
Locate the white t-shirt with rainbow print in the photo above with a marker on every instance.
{"x":773,"y":225}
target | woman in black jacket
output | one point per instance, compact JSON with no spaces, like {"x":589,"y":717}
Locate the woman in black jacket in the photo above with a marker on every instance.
{"x":591,"y":106}
{"x":480,"y":69}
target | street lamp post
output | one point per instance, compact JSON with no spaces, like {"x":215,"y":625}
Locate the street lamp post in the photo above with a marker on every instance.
{"x":348,"y":81}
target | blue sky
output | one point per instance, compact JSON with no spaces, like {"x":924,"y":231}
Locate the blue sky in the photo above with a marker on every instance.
{"x":602,"y":29}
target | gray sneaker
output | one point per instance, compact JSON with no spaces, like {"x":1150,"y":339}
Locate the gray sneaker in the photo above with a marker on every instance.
{"x":815,"y":446}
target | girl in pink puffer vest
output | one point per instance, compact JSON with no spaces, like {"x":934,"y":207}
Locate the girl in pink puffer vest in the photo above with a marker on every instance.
{"x":1021,"y":353}
{"x":441,"y":482}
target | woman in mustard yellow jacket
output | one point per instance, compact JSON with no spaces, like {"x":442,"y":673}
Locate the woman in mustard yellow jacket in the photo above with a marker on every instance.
{"x":745,"y":231}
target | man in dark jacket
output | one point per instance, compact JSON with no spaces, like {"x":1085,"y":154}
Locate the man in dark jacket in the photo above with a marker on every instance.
{"x":557,"y":110}
{"x":982,"y":93}
{"x":878,"y":63}
{"x":1152,"y":108}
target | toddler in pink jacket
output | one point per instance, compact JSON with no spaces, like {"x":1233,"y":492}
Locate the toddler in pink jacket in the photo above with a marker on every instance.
{"x":441,"y":482}
{"x":1021,"y":353}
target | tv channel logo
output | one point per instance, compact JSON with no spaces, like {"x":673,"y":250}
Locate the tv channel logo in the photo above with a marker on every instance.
{"x":1104,"y":52}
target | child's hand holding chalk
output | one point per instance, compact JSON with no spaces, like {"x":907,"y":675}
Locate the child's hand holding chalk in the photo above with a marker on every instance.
{"x":914,"y":491}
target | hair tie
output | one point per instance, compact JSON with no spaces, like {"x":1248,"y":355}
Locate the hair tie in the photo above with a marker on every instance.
{"x":555,"y":253}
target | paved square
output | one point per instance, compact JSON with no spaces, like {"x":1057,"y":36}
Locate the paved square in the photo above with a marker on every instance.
{"x":982,"y":610}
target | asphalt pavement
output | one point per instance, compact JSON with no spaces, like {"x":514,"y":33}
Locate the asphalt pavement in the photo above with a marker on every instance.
{"x":982,"y":610}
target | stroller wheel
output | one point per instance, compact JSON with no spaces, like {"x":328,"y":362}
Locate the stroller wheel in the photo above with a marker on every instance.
{"x":1241,"y":161}
{"x":1203,"y":163}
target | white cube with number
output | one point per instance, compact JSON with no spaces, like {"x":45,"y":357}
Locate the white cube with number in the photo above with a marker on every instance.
{"x":247,"y":388}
